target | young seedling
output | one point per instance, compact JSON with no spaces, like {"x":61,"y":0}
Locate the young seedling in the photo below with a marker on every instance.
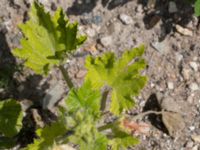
{"x":48,"y":41}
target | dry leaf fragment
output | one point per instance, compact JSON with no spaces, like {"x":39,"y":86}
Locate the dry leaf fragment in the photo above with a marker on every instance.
{"x":184,"y":31}
{"x":173,"y":122}
{"x":134,"y":127}
{"x":91,"y":48}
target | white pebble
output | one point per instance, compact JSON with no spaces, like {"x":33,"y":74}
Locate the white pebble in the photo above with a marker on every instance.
{"x":194,"y":87}
{"x":170,"y":85}
{"x":126,"y":19}
{"x":194,"y":65}
{"x":192,"y":128}
{"x":90,"y":32}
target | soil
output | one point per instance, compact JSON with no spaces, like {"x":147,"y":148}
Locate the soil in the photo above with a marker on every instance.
{"x":168,"y":29}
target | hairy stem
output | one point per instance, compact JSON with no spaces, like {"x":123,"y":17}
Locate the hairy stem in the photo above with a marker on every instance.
{"x":141,"y":115}
{"x":66,"y":76}
{"x":133,"y":118}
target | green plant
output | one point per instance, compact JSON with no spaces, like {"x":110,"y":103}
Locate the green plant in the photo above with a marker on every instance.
{"x":197,"y":7}
{"x":47,"y":42}
{"x":10,"y":122}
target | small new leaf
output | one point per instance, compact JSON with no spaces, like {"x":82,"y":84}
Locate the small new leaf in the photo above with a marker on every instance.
{"x":47,"y":39}
{"x":121,"y":74}
{"x":83,"y":112}
{"x":10,"y":118}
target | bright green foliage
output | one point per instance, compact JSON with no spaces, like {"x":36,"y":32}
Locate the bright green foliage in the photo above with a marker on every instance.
{"x":47,"y":39}
{"x":83,"y":112}
{"x":47,"y":136}
{"x":10,"y":118}
{"x":197,"y":8}
{"x":122,"y":75}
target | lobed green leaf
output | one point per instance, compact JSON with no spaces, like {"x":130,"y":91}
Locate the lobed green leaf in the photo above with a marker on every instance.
{"x":197,"y":8}
{"x":121,"y":74}
{"x":10,"y":117}
{"x":47,"y":39}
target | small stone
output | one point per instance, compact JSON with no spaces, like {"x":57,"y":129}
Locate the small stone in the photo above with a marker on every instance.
{"x":196,"y":138}
{"x":170,"y":104}
{"x":161,"y":47}
{"x":139,"y":9}
{"x":194,"y":87}
{"x":174,"y":123}
{"x":179,"y":57}
{"x":81,"y":74}
{"x":125,"y":19}
{"x":53,"y":95}
{"x":196,"y":147}
{"x":192,"y":128}
{"x":172,"y":7}
{"x":170,"y":85}
{"x":194,"y":66}
{"x":26,"y":104}
{"x":184,"y":31}
{"x":190,"y":98}
{"x":106,"y":41}
{"x":190,"y":144}
{"x":186,"y":73}
{"x":20,"y":88}
{"x":97,"y":20}
{"x":90,"y":32}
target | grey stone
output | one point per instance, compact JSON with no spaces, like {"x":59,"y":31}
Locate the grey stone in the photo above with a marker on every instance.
{"x":106,"y":41}
{"x":53,"y":95}
{"x":174,"y":123}
{"x":172,"y":7}
{"x":161,"y":47}
{"x":170,"y":104}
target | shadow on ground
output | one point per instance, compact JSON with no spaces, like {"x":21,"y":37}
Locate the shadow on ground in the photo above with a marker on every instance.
{"x":86,"y":6}
{"x":158,"y":10}
{"x":156,"y":120}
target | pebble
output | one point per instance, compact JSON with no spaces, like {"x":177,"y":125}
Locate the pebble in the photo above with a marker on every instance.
{"x":183,"y":31}
{"x":170,"y":85}
{"x":196,"y":138}
{"x":194,"y":65}
{"x":53,"y":95}
{"x":172,"y":7}
{"x":194,"y":87}
{"x":196,"y":147}
{"x":192,"y":128}
{"x":170,"y":104}
{"x":139,"y":9}
{"x":90,"y":32}
{"x":125,"y":19}
{"x":179,"y":57}
{"x":186,"y":73}
{"x":106,"y":41}
{"x":161,"y":47}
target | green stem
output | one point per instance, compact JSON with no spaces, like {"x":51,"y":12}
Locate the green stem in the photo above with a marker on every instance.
{"x":103,"y":100}
{"x":105,"y":127}
{"x":66,"y":76}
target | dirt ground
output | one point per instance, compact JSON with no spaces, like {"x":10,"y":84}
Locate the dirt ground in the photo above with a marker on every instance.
{"x":167,"y":28}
